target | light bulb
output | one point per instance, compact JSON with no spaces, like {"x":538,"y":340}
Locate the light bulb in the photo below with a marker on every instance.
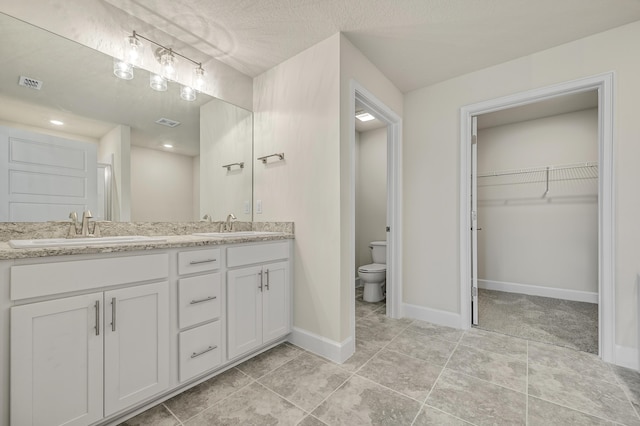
{"x":187,"y":93}
{"x":122,"y":69}
{"x":157,"y":82}
{"x":198,"y":79}
{"x":168,"y":64}
{"x":133,"y":48}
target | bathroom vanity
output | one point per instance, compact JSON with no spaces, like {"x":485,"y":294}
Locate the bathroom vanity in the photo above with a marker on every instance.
{"x":97,"y":334}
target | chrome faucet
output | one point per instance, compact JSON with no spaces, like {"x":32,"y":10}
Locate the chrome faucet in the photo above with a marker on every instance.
{"x":229,"y":225}
{"x":73,"y":230}
{"x":86,"y":215}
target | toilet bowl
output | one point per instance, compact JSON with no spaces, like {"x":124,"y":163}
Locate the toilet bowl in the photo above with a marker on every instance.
{"x":374,"y":275}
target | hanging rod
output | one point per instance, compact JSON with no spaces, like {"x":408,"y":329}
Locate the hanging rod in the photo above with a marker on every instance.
{"x":264,"y":159}
{"x":588,"y":164}
{"x":228,"y":166}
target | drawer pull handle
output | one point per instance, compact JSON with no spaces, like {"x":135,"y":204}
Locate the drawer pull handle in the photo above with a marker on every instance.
{"x":113,"y":314}
{"x":206,"y":299}
{"x":97,"y":305}
{"x":267,"y":274}
{"x":197,"y":262}
{"x":260,"y":286}
{"x":209,"y":349}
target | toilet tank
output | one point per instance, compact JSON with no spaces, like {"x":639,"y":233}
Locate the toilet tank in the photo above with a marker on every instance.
{"x":379,"y":251}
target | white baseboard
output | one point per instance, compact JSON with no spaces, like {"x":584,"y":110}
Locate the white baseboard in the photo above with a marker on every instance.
{"x":326,"y":348}
{"x":627,"y":357}
{"x":435,"y":316}
{"x":534,"y":290}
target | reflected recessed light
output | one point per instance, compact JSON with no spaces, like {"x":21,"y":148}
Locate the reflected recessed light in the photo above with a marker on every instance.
{"x":364,"y":116}
{"x":167,"y":145}
{"x":56,"y":122}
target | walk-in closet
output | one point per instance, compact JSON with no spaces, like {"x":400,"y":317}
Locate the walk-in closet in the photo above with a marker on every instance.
{"x":537,"y":197}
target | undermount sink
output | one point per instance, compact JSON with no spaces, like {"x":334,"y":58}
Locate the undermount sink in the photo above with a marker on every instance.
{"x":236,"y":234}
{"x":88,"y":241}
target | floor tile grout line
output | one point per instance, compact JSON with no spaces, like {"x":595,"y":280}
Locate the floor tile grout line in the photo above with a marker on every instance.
{"x":448,"y":414}
{"x":599,"y":417}
{"x":302,"y":351}
{"x":352,"y":374}
{"x":306,"y":413}
{"x":173,"y":414}
{"x":624,"y":389}
{"x":223,"y":399}
{"x":514,"y":357}
{"x":438,"y":378}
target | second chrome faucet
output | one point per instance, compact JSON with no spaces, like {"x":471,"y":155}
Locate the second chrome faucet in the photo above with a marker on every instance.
{"x":84,"y":229}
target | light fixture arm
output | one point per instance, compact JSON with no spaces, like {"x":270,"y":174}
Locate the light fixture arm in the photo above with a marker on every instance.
{"x":170,"y":50}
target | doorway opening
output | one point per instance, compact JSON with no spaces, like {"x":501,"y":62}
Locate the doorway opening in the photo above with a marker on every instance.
{"x":363,"y":100}
{"x":536,"y":202}
{"x":469,"y":226}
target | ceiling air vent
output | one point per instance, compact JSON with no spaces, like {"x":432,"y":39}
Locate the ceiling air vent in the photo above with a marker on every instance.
{"x":168,"y":122}
{"x":29,"y":82}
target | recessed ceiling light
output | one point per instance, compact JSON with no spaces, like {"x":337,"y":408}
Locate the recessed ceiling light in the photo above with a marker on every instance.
{"x":364,"y":116}
{"x":56,"y":122}
{"x":167,"y":145}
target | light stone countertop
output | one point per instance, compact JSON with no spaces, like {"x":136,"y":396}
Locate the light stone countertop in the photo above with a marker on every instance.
{"x":176,"y":235}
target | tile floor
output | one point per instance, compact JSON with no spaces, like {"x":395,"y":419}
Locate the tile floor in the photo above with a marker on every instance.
{"x":543,"y":319}
{"x":408,"y":372}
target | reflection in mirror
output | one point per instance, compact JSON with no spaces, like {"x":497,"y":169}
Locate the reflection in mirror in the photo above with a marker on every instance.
{"x":117,"y":122}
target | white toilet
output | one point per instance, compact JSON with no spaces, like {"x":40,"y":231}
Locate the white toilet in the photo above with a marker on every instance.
{"x":374,"y":275}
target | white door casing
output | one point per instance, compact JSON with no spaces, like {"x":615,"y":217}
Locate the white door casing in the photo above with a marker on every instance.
{"x":603,"y":83}
{"x":474,"y":219}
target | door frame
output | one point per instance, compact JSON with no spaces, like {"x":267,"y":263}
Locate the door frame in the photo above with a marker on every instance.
{"x":394,"y":197}
{"x":604,"y":84}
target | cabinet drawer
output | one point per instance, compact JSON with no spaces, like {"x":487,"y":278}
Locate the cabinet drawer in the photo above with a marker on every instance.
{"x":190,"y":262}
{"x":258,"y":253}
{"x":200,"y":350}
{"x":198,"y":299}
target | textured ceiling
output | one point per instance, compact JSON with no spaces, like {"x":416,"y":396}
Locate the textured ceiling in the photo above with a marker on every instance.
{"x":415,"y":43}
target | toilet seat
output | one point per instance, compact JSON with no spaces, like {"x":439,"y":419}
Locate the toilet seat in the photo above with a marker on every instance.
{"x":373,"y":267}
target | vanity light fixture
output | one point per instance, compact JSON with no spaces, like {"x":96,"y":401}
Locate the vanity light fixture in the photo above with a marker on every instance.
{"x":167,"y":145}
{"x":364,"y":116}
{"x":166,"y":57}
{"x":56,"y":122}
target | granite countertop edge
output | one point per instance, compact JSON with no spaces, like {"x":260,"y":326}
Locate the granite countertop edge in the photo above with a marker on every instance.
{"x":172,"y":241}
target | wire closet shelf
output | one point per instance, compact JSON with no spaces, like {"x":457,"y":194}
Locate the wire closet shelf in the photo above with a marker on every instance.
{"x":551,"y":173}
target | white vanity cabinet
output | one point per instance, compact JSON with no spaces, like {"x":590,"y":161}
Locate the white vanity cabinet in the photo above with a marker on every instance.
{"x":77,"y":359}
{"x":258,"y":296}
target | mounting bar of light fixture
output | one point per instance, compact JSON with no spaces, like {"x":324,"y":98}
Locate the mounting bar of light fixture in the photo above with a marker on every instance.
{"x":228,"y":166}
{"x":264,"y":159}
{"x":170,"y":50}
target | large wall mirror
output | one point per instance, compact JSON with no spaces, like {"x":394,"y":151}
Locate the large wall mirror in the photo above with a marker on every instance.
{"x":126,"y":151}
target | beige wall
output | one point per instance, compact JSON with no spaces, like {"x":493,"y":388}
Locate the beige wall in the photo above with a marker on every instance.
{"x":161,"y":186}
{"x":355,"y":66}
{"x":226,"y":137}
{"x":297,"y":111}
{"x":528,"y":239}
{"x":114,"y":149}
{"x":371,"y":192}
{"x":432,"y":164}
{"x":99,"y":25}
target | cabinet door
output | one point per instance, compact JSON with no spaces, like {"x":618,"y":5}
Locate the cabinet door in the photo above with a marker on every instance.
{"x":136,"y":338}
{"x":244,"y":317}
{"x":276,"y":301}
{"x":56,"y":362}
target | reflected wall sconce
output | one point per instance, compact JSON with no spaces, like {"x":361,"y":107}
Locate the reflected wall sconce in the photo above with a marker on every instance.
{"x":228,"y":166}
{"x":167,"y":58}
{"x":280,"y":156}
